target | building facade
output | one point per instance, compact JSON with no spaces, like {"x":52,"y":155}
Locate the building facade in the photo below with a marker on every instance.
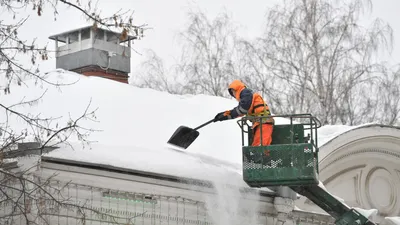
{"x":360,"y":166}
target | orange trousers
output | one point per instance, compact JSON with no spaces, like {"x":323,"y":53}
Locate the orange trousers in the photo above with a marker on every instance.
{"x":266,"y":135}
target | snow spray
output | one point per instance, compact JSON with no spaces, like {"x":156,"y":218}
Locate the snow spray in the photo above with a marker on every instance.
{"x":231,"y":205}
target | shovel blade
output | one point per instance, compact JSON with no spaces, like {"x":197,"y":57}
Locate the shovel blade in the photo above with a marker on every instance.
{"x":183,"y":137}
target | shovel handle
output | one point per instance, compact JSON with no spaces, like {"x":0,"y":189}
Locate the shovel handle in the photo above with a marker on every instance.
{"x":204,"y":124}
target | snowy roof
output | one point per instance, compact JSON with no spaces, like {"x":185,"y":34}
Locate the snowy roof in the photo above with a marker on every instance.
{"x":61,"y":37}
{"x":136,"y":123}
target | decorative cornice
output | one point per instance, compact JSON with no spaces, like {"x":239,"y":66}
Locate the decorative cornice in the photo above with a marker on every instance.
{"x":364,"y":162}
{"x":359,"y":128}
{"x":356,"y":152}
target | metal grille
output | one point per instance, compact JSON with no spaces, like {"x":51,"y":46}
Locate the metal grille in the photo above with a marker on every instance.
{"x":275,"y":164}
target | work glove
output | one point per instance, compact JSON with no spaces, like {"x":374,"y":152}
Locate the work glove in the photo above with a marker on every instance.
{"x":222,"y":116}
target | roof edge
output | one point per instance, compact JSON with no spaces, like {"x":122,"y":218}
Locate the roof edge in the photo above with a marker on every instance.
{"x":361,"y":127}
{"x":141,"y":173}
{"x":53,"y":37}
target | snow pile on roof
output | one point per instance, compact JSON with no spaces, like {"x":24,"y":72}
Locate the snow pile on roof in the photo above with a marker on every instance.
{"x":391,"y":221}
{"x":328,"y":132}
{"x":368,"y":213}
{"x":136,"y":123}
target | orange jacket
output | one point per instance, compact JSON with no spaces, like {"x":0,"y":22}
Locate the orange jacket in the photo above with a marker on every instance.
{"x":250,"y":103}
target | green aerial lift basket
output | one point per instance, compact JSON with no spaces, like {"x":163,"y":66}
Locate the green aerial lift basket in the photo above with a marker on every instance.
{"x":290,"y":160}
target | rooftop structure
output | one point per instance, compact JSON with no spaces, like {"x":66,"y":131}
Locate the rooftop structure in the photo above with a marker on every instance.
{"x":94,"y":51}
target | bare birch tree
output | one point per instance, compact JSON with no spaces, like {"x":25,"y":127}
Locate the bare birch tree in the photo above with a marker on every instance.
{"x":209,"y":59}
{"x":208,"y":54}
{"x":389,"y":99}
{"x":382,"y":104}
{"x":314,"y":55}
{"x":23,"y":195}
{"x":153,"y":74}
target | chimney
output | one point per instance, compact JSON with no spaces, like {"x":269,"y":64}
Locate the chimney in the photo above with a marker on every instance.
{"x":94,"y":52}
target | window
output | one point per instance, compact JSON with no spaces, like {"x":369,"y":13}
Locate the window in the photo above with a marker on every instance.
{"x":73,"y":37}
{"x":99,"y":34}
{"x":85,"y":34}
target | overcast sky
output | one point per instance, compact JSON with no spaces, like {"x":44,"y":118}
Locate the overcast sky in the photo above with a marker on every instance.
{"x":168,"y":17}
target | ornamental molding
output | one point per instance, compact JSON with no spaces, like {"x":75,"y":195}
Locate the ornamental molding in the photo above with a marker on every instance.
{"x":362,"y":166}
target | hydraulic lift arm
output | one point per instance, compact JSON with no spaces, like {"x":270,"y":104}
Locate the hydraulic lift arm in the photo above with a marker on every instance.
{"x":343,"y":214}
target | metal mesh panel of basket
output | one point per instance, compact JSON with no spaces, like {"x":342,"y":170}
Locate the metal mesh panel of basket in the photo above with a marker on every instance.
{"x":283,"y":156}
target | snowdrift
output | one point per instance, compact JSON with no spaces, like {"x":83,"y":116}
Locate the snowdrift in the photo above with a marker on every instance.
{"x":135,"y":123}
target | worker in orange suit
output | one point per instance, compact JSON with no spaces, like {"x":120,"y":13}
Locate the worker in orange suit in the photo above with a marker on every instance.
{"x":252,"y":104}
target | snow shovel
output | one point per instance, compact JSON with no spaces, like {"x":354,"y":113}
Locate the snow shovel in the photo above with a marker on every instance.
{"x":185,"y":136}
